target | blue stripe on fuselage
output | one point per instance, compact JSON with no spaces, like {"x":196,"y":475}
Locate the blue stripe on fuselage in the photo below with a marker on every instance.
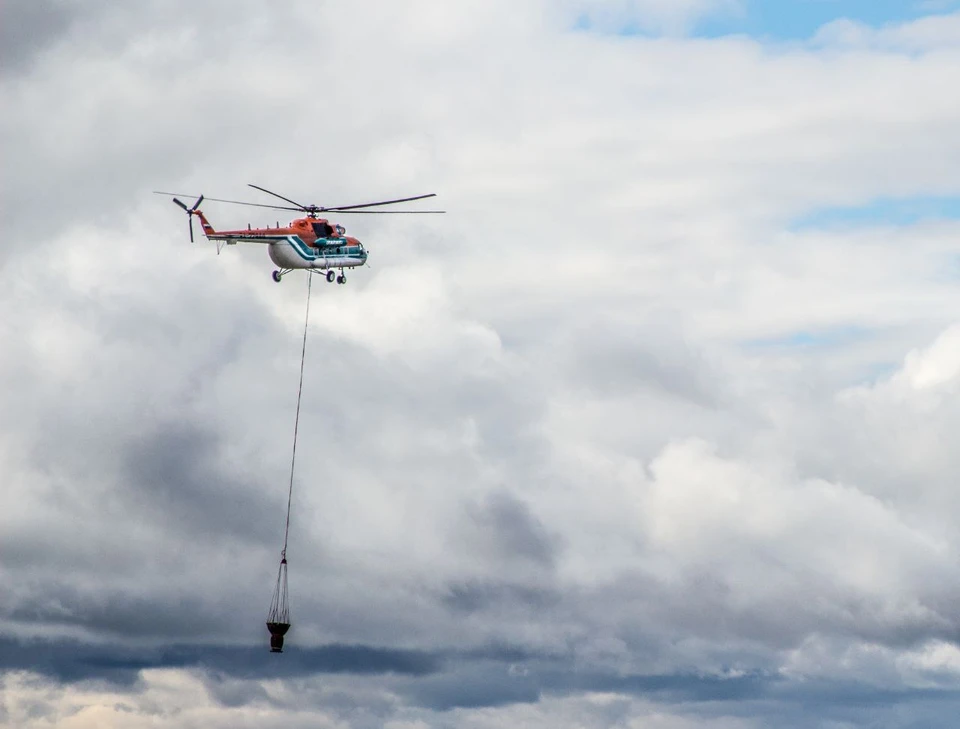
{"x":329,"y":250}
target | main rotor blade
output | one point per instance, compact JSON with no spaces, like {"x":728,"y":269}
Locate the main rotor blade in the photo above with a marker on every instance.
{"x":257,"y":187}
{"x":191,"y":229}
{"x":352,"y":209}
{"x":232,"y":202}
{"x":338,"y":208}
{"x":384,"y":212}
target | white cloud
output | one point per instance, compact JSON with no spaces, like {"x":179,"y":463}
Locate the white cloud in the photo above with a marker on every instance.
{"x":929,"y":34}
{"x":533,"y":421}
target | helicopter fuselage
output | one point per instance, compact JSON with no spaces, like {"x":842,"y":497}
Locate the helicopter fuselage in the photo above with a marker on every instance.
{"x":292,"y":252}
{"x":305,"y":243}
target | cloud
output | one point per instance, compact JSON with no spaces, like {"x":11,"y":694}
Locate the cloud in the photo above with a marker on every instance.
{"x":30,"y":28}
{"x":71,"y":660}
{"x":87,"y":706}
{"x":925,"y":35}
{"x":655,"y":16}
{"x":545,"y":474}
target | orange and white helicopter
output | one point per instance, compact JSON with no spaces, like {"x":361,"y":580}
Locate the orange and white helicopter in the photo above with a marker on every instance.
{"x":311,"y":243}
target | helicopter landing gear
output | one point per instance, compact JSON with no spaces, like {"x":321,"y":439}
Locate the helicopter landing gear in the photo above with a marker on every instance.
{"x":341,"y":279}
{"x":279,"y":274}
{"x":330,"y":275}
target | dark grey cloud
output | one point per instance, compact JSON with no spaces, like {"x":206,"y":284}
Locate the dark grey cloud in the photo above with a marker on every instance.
{"x":177,"y":474}
{"x":115,"y":614}
{"x":81,"y":661}
{"x":474,"y":686}
{"x":477,"y":596}
{"x":436,"y":680}
{"x":510,"y":529}
{"x":444,"y":681}
{"x":29,"y":27}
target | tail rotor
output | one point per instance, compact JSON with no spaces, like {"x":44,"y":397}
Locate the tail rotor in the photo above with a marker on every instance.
{"x":190,"y":212}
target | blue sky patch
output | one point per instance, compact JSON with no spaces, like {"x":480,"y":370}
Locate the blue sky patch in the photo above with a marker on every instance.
{"x":828,"y":337}
{"x":800,"y":19}
{"x":792,"y":20}
{"x":883,"y":211}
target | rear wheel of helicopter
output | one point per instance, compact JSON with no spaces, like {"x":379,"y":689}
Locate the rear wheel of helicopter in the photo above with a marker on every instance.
{"x":276,"y":276}
{"x":330,"y":275}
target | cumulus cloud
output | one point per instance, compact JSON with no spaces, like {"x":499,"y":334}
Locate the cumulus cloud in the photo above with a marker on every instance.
{"x":614,"y":442}
{"x":934,"y":33}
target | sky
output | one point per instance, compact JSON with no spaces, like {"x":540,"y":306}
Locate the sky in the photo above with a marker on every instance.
{"x":654,"y":428}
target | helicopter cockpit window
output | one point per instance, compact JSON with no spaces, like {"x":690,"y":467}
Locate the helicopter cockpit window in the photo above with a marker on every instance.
{"x":322,"y":230}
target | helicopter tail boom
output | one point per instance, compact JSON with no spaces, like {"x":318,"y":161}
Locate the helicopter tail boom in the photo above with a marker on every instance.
{"x":205,"y":224}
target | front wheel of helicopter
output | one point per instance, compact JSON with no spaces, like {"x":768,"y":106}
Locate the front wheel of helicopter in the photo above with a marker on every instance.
{"x":277,"y":276}
{"x":341,"y":279}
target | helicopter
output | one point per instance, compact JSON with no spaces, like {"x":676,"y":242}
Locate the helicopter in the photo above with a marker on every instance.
{"x":310,"y":243}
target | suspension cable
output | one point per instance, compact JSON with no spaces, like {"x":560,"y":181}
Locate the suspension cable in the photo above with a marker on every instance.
{"x":296,"y":422}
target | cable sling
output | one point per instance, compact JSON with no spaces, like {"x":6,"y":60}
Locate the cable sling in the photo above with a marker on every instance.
{"x":296,"y":421}
{"x":278,"y":618}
